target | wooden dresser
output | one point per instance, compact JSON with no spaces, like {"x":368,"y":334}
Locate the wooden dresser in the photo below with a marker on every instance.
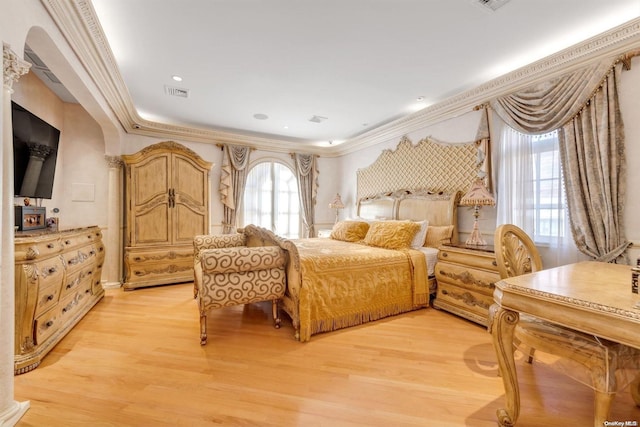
{"x":167,"y":204}
{"x":57,"y":281}
{"x":466,"y":277}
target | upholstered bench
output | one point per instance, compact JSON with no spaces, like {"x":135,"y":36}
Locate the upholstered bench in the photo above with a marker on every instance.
{"x":228,"y":273}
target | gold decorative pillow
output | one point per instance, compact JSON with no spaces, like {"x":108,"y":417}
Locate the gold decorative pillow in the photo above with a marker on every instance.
{"x":391,"y":234}
{"x":438,"y":235}
{"x":350,"y":231}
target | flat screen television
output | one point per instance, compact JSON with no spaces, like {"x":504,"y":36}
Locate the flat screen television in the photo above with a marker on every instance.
{"x":35,"y":151}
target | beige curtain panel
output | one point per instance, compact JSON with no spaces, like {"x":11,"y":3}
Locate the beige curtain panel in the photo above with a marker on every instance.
{"x":235,"y":162}
{"x":307,"y":174}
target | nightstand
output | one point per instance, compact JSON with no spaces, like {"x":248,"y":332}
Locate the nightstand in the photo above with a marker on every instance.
{"x":466,"y":277}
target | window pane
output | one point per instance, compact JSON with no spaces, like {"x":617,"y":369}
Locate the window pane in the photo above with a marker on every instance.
{"x":271,"y":199}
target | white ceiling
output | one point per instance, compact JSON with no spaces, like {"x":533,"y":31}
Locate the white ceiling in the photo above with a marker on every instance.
{"x":357,"y":63}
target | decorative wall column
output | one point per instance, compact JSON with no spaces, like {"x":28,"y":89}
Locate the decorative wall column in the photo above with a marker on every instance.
{"x":10,"y":411}
{"x":38,"y":153}
{"x":112,"y":270}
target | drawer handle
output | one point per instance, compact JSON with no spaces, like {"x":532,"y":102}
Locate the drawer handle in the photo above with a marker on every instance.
{"x":52,"y":270}
{"x":494,"y":263}
{"x":100,"y":249}
{"x":445,"y":292}
{"x":49,"y":297}
{"x":89,"y":236}
{"x":48,"y":324}
{"x":92,"y":253}
{"x":444,"y":255}
{"x":67,"y":242}
{"x":50,"y":246}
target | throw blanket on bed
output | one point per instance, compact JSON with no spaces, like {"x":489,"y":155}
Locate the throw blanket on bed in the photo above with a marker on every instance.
{"x":345,"y":284}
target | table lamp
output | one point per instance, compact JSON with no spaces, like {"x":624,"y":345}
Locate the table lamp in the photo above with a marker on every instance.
{"x":477,"y":196}
{"x":336,"y":204}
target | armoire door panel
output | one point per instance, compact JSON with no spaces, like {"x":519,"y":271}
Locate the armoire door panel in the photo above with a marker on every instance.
{"x":189,"y":224}
{"x":152,"y":226}
{"x":151,"y":180}
{"x":189,"y":181}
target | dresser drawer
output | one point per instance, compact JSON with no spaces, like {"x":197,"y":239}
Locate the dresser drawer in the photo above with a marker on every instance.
{"x":486,"y":261}
{"x":75,"y":259}
{"x":47,"y":298}
{"x":46,"y":324}
{"x":147,"y":267}
{"x":74,"y":302}
{"x":77,"y":280}
{"x":30,"y":250}
{"x":463,"y":302}
{"x":49,"y":272}
{"x":480,"y":281}
{"x":75,"y":240}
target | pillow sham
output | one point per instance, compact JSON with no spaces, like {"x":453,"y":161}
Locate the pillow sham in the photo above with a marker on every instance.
{"x":438,"y":235}
{"x":391,"y":234}
{"x":349,"y":231}
{"x":421,"y":235}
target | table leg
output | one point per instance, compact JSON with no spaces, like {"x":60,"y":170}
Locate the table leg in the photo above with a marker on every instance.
{"x":501,"y":325}
{"x":634,"y":387}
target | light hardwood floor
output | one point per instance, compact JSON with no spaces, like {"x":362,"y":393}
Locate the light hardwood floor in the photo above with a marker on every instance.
{"x":136,"y":360}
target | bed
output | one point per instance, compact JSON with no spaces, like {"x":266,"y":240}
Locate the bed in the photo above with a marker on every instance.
{"x":344,"y":280}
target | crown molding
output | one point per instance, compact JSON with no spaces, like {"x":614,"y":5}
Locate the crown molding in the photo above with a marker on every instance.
{"x":78,"y":22}
{"x":609,"y":44}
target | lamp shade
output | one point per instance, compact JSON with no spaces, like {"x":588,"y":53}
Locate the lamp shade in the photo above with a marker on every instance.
{"x":336,"y":203}
{"x":478,"y":195}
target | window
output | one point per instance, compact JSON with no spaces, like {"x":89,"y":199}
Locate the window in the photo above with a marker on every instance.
{"x":271,"y":199}
{"x":531,"y":193}
{"x":549,"y":211}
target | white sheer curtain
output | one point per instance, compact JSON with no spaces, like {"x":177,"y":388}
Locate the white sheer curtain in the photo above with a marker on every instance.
{"x":530,"y":193}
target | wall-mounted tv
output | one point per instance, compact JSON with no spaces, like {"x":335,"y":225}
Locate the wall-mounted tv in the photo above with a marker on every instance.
{"x":35,"y":151}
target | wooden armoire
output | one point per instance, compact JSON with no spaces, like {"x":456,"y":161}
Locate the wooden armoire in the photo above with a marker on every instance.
{"x":167,"y":204}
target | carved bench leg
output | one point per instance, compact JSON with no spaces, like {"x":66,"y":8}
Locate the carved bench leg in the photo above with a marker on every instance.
{"x":276,"y":313}
{"x":203,"y":329}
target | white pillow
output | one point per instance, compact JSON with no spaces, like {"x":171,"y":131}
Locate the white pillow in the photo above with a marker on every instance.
{"x":418,"y":239}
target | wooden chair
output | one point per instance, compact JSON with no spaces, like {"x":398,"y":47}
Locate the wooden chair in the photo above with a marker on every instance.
{"x":516,"y":254}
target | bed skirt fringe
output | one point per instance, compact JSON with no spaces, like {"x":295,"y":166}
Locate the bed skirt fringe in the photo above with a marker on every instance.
{"x":340,"y":322}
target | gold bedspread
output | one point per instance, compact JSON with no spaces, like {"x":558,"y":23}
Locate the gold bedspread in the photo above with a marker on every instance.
{"x":345,"y":284}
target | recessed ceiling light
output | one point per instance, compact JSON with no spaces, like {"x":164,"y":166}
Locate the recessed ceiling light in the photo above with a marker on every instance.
{"x":420,"y":98}
{"x":260,"y":116}
{"x":177,"y":78}
{"x":286,"y":127}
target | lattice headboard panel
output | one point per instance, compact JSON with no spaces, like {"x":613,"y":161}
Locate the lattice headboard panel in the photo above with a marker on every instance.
{"x":440,"y":167}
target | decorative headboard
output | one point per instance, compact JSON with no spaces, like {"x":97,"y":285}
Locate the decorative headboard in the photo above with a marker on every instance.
{"x":416,"y":205}
{"x":438,"y":166}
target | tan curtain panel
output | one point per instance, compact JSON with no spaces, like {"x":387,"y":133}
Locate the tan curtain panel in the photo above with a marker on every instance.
{"x":307,"y":174}
{"x":594,"y":166}
{"x":583,"y":105}
{"x":235,"y":161}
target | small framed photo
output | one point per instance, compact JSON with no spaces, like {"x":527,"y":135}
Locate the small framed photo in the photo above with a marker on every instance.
{"x":52,"y":223}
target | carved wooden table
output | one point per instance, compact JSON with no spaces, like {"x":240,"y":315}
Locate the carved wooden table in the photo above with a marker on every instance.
{"x":592,"y":297}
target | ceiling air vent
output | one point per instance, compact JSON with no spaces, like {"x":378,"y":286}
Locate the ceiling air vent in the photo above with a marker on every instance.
{"x":317,"y":119}
{"x":176,"y":91}
{"x":491,"y":4}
